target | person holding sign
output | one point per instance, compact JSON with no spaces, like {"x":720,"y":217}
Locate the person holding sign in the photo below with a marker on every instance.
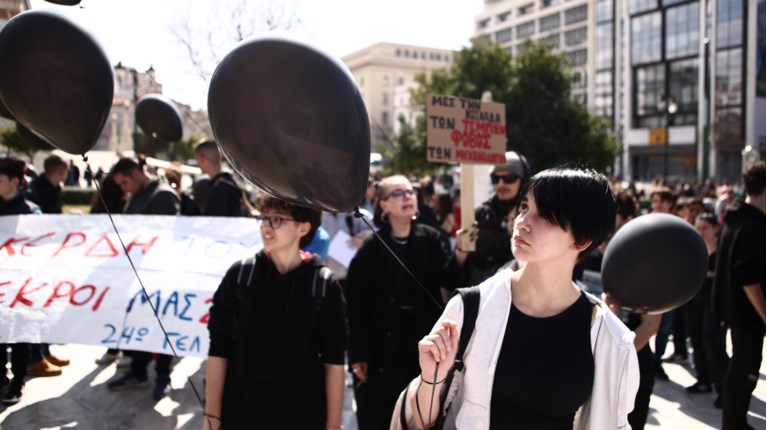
{"x":492,"y":244}
{"x":278,"y":333}
{"x":390,"y":306}
{"x":543,"y":353}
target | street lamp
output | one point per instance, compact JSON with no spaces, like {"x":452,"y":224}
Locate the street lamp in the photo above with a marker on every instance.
{"x":668,"y":106}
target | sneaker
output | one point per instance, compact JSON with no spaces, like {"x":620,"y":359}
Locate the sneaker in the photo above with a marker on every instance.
{"x":129,"y":380}
{"x":13,"y":394}
{"x":125,"y":361}
{"x":108,"y":358}
{"x":161,"y":387}
{"x":44,"y":368}
{"x":56,"y":361}
{"x":699,"y":387}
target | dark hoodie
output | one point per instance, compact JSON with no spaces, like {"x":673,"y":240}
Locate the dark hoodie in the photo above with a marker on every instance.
{"x":18,"y":206}
{"x":224,"y":197}
{"x":276,"y":336}
{"x":740,"y":262}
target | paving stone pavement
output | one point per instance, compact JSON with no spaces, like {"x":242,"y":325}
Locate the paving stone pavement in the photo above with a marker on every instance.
{"x":79,"y":399}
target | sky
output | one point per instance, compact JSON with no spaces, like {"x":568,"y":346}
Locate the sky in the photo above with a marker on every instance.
{"x":140,"y":33}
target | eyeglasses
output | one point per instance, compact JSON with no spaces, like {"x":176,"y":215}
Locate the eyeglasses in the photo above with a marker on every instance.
{"x":508,"y":178}
{"x":274,"y":221}
{"x":398,"y":194}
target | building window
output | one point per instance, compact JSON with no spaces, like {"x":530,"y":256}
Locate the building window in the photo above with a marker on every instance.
{"x":576,"y":37}
{"x":576,"y":14}
{"x":385,"y":80}
{"x":549,"y":22}
{"x":636,"y":6}
{"x":645,"y":38}
{"x":552,"y":39}
{"x":503,"y":17}
{"x":729,"y":77}
{"x":649,"y":87}
{"x":682,"y":31}
{"x":483,"y":23}
{"x":385,"y":118}
{"x":577,"y":58}
{"x":503,"y":36}
{"x":525,"y":30}
{"x":483,"y":38}
{"x":407,"y":54}
{"x":447,"y":58}
{"x":604,"y":51}
{"x":728,"y":127}
{"x":729,"y":25}
{"x":385,"y":99}
{"x":400,"y":81}
{"x":683,"y":86}
{"x":604,"y":10}
{"x":398,"y":52}
{"x":526,"y":9}
{"x":603,"y":94}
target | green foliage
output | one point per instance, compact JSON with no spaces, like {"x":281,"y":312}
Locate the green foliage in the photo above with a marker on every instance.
{"x":408,"y":156}
{"x":543,"y":122}
{"x":183,"y":150}
{"x":11,"y":139}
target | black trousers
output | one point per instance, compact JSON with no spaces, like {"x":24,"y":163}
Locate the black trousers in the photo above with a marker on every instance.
{"x":708,"y":337}
{"x":638,"y":417}
{"x":19,"y":361}
{"x":742,"y":376}
{"x":141,"y":360}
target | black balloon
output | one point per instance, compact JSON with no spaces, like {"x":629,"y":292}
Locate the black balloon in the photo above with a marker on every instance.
{"x":654,"y":263}
{"x":158,"y":117}
{"x":291,"y":120}
{"x":4,"y":112}
{"x":32,"y":139}
{"x":65,"y":2}
{"x":55,"y":80}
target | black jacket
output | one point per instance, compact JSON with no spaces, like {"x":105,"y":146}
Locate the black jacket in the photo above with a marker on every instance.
{"x":740,"y":262}
{"x":156,"y":198}
{"x":18,"y":206}
{"x":224,"y":197}
{"x":45,"y":195}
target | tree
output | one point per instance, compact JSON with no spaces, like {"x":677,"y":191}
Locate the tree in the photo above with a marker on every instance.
{"x":225,"y":24}
{"x":12,"y":139}
{"x":408,"y":154}
{"x":543,"y":121}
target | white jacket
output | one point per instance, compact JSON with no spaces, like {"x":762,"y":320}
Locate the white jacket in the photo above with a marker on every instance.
{"x":616,"y":370}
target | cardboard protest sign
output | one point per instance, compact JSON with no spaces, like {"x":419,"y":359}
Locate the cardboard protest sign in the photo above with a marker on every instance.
{"x":460,"y":130}
{"x":66,"y":278}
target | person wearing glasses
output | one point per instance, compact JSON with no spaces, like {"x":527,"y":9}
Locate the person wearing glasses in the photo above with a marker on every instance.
{"x":278,"y":333}
{"x":390,"y":309}
{"x":492,"y":249}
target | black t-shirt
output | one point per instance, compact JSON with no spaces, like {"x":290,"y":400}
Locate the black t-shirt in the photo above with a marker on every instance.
{"x":545,"y":370}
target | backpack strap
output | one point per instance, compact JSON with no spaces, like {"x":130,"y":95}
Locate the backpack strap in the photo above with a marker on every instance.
{"x":318,"y":291}
{"x":470,"y":297}
{"x":245,"y":275}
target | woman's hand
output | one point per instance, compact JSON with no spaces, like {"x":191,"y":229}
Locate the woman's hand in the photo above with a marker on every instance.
{"x":439,"y":346}
{"x":360,"y":370}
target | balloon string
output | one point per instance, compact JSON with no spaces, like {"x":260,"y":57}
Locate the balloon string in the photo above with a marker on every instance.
{"x":89,"y":172}
{"x":358,"y":214}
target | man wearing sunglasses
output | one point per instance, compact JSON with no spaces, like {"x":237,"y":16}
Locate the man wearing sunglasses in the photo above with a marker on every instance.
{"x":493,"y":246}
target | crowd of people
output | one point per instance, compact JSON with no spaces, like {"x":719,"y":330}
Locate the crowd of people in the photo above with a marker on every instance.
{"x":387,"y":316}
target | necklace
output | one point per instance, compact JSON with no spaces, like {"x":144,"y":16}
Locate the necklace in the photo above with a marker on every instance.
{"x":399,"y":240}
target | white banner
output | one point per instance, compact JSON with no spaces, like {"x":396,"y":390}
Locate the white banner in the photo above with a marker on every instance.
{"x":67,"y":279}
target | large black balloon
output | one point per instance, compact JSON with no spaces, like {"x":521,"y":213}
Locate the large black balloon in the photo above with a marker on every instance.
{"x":4,"y":112}
{"x":32,"y":139}
{"x":65,"y":2}
{"x":158,"y":117}
{"x":55,"y":80}
{"x":654,"y":263}
{"x":291,"y":120}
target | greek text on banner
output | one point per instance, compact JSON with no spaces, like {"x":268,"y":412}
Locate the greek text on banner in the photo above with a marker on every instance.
{"x":66,"y":278}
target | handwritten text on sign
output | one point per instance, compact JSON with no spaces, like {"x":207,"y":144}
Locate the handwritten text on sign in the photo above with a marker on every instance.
{"x":465,"y":130}
{"x":66,"y":278}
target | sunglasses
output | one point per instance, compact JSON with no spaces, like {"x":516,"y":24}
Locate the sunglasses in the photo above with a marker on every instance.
{"x":274,"y":221}
{"x":398,"y":194}
{"x":507,"y":178}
